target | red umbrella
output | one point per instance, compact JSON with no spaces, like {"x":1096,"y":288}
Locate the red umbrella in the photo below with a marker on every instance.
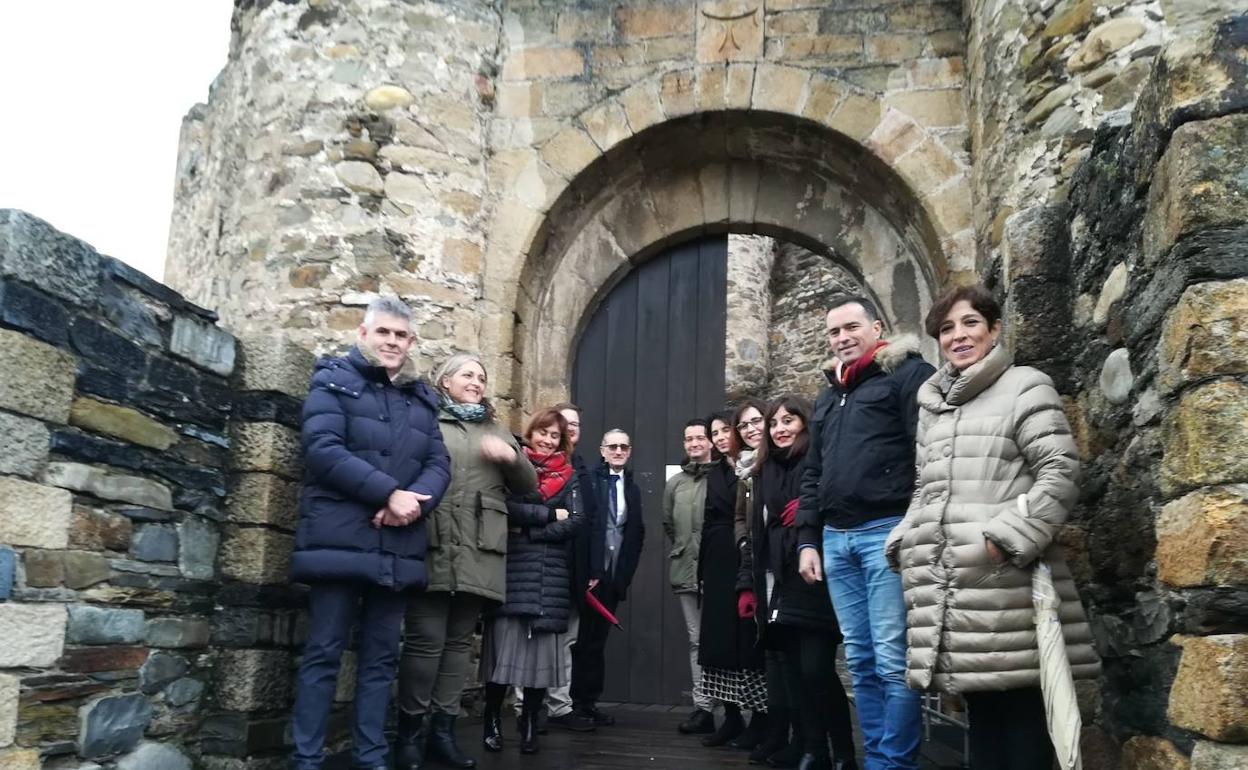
{"x":601,"y":609}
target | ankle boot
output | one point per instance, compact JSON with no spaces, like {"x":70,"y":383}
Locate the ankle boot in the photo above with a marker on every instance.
{"x":788,"y":756}
{"x":814,"y":762}
{"x":492,"y":720}
{"x":753,"y":735}
{"x":409,"y":748}
{"x":777,"y":736}
{"x":731,"y":727}
{"x":527,"y":722}
{"x":442,"y":747}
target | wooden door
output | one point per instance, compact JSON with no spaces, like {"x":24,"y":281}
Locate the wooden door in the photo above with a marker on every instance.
{"x":652,"y":357}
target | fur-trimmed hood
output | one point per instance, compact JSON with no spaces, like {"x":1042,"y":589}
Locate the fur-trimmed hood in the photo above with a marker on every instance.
{"x":888,"y":358}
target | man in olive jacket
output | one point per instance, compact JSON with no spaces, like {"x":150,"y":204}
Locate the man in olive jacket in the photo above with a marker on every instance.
{"x":684,"y":501}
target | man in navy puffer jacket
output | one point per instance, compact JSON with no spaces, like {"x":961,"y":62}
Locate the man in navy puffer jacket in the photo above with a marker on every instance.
{"x":374,"y":463}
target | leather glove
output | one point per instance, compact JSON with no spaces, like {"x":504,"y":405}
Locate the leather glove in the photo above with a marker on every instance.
{"x":746,"y":604}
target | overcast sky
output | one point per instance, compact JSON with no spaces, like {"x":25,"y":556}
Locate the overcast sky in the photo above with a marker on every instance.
{"x":92,"y":95}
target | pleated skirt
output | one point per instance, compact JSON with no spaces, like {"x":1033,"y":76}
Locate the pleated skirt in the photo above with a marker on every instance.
{"x":512,"y":654}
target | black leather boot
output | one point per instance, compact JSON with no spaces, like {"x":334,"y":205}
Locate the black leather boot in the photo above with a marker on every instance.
{"x":777,"y":736}
{"x":814,"y":762}
{"x":492,"y":722}
{"x":527,"y":722}
{"x":699,"y":722}
{"x":753,"y":735}
{"x":732,"y":726}
{"x":442,"y":747}
{"x":409,"y":747}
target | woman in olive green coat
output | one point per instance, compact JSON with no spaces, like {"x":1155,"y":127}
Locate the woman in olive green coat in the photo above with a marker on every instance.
{"x":466,"y":562}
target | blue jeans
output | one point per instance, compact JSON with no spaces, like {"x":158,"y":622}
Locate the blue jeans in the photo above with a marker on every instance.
{"x":869,"y":606}
{"x":333,"y":608}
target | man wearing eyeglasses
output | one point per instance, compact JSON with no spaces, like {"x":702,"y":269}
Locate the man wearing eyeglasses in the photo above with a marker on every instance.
{"x":616,"y":534}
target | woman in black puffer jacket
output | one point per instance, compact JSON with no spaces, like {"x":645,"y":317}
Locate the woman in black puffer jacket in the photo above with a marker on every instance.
{"x":795,"y":617}
{"x":524,"y":642}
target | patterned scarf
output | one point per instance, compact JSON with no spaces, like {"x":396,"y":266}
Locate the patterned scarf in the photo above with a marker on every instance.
{"x":553,"y":471}
{"x":464,"y":412}
{"x":745,"y":463}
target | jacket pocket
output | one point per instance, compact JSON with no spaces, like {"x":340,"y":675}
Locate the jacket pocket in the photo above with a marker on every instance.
{"x":491,"y":525}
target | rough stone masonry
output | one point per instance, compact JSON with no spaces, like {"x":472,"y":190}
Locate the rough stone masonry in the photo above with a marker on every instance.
{"x":501,"y":165}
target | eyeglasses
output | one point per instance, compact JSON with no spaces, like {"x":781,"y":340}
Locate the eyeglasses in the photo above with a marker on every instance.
{"x":616,"y":447}
{"x":745,"y":425}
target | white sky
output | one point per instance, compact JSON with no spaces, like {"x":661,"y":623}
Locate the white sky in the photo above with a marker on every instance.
{"x":92,"y":94}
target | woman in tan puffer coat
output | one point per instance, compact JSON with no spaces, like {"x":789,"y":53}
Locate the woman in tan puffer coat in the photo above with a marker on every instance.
{"x":988,"y":432}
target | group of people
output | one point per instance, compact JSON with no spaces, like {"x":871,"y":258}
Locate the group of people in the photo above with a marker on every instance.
{"x":420,"y":515}
{"x":902,"y":514}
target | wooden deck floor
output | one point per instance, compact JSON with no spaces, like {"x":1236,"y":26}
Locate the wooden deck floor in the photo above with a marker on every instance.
{"x":642,"y":737}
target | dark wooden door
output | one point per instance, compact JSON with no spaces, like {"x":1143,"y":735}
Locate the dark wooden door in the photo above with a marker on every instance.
{"x":652,"y":357}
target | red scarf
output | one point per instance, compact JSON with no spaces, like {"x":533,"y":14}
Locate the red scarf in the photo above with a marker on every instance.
{"x":851,"y":373}
{"x":553,"y":471}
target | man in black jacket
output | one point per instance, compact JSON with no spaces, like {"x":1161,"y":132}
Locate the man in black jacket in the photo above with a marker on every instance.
{"x":856,"y":485}
{"x":617,"y":532}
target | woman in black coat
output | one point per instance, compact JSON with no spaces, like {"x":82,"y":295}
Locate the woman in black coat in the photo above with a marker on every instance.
{"x":524,"y":642}
{"x":732,"y":665}
{"x":796,"y":617}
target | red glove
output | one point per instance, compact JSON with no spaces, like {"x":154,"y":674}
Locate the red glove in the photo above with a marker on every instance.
{"x":789,"y":514}
{"x":746,"y":605}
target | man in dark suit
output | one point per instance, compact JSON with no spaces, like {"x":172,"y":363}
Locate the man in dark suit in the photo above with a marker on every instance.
{"x":616,"y":534}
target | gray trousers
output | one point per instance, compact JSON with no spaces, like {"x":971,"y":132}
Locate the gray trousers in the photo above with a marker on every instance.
{"x":693,"y":625}
{"x":558,"y":699}
{"x":437,"y":651}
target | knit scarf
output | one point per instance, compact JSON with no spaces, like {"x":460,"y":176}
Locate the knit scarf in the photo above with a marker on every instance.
{"x":464,"y":412}
{"x":745,"y":463}
{"x":553,"y":471}
{"x":851,"y":373}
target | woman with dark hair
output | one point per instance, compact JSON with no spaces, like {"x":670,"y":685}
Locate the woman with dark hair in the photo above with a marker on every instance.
{"x":797,"y":617}
{"x":989,"y":433}
{"x":466,"y":562}
{"x":523,"y":642}
{"x":732,"y":667}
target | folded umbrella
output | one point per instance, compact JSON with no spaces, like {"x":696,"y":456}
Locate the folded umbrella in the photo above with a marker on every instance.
{"x":601,"y":609}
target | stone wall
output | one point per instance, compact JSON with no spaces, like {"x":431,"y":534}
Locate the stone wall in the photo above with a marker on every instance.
{"x":1149,"y":347}
{"x":114,"y":401}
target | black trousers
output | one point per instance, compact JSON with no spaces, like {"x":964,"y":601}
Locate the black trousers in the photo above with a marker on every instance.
{"x":589,"y":664}
{"x":1008,"y":730}
{"x":818,"y":697}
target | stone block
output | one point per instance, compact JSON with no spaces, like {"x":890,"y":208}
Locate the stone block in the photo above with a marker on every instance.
{"x":543,"y":63}
{"x":112,"y":725}
{"x":160,"y":669}
{"x":184,"y":632}
{"x":104,"y":625}
{"x":780,"y":89}
{"x":154,"y":756}
{"x":33,"y":514}
{"x":644,"y":20}
{"x":1145,"y":752}
{"x":38,"y":254}
{"x":183,"y":692}
{"x":198,"y":540}
{"x":33,"y":312}
{"x":822,"y":98}
{"x":641,"y":106}
{"x":387,"y":97}
{"x":36,"y":379}
{"x":739,"y":86}
{"x":255,"y":555}
{"x":250,"y":680}
{"x":359,"y":177}
{"x":20,"y":759}
{"x":732,"y":30}
{"x":23,"y":445}
{"x":1202,"y":538}
{"x":1210,"y":690}
{"x":44,"y":569}
{"x":109,"y":486}
{"x":927,"y":166}
{"x":92,"y":660}
{"x":266,"y":447}
{"x":1205,"y":334}
{"x":1207,"y":755}
{"x":83,"y":569}
{"x":34,"y":634}
{"x":10,"y":688}
{"x":202,"y":344}
{"x":678,"y":93}
{"x":856,"y":117}
{"x":92,"y":529}
{"x":1116,"y":377}
{"x":262,"y":498}
{"x":154,"y":542}
{"x":1198,"y":183}
{"x":932,"y":109}
{"x":1209,"y":420}
{"x":274,"y":362}
{"x":569,"y":152}
{"x":1111,"y":292}
{"x":825,"y":50}
{"x":1105,"y":39}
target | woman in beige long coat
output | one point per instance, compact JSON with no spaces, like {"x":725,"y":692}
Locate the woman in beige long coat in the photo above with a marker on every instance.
{"x":466,"y":561}
{"x":988,"y":432}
